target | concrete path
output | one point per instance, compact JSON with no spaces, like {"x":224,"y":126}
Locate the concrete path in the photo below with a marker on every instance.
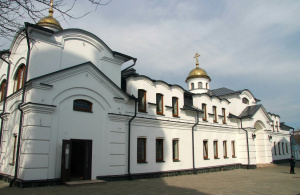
{"x":271,"y":180}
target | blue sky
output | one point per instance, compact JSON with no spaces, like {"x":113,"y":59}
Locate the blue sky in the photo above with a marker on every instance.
{"x":243,"y":44}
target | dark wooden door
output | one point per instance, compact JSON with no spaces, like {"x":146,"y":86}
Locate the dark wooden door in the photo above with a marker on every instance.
{"x":87,"y":172}
{"x":66,"y":160}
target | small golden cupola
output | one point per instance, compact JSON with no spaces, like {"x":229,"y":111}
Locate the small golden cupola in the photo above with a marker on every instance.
{"x":198,"y":81}
{"x":49,"y":21}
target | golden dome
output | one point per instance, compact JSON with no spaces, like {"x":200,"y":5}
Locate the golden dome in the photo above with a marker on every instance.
{"x":197,"y":73}
{"x":49,"y":21}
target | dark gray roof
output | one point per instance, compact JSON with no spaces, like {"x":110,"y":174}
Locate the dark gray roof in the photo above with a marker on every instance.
{"x":222,"y":91}
{"x":249,"y":111}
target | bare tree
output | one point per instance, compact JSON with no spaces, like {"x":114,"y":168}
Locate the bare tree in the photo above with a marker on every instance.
{"x":14,"y":12}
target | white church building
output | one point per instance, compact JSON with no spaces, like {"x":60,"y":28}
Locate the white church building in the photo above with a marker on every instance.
{"x":70,"y":111}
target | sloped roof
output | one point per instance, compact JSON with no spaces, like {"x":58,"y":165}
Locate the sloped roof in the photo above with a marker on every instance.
{"x":222,"y":91}
{"x":250,"y":111}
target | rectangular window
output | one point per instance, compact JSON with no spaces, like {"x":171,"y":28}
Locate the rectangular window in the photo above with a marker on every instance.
{"x":159,"y":150}
{"x":277,"y":125}
{"x":225,"y":149}
{"x":204,"y":117}
{"x":175,"y":144}
{"x":14,"y":149}
{"x":215,"y":114}
{"x":282,"y":147}
{"x":233,"y":149}
{"x":273,"y":126}
{"x":215,"y":149}
{"x":142,"y":100}
{"x":159,"y":103}
{"x":175,"y":106}
{"x":279,"y":152}
{"x":141,"y":150}
{"x":224,"y":115}
{"x":275,"y":152}
{"x":286,"y":147}
{"x":205,"y":149}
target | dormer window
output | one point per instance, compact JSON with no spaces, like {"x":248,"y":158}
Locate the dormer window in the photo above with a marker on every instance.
{"x":82,"y":105}
{"x":245,"y":101}
{"x":19,"y":78}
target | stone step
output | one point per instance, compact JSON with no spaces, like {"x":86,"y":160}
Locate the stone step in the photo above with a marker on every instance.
{"x":84,"y":182}
{"x":265,"y":165}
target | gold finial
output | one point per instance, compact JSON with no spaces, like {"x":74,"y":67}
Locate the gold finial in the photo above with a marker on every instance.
{"x":196,"y":56}
{"x":51,"y":9}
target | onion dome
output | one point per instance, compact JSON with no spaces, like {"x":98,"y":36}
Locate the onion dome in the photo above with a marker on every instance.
{"x":197,"y":72}
{"x":49,"y":21}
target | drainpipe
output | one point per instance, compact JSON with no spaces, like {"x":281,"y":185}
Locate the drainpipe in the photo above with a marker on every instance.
{"x":193,"y":141}
{"x":129,"y":129}
{"x":5,"y":96}
{"x":134,"y":61}
{"x":247,"y":143}
{"x":19,"y":107}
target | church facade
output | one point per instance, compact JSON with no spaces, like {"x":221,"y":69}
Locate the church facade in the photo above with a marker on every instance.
{"x":69,"y":111}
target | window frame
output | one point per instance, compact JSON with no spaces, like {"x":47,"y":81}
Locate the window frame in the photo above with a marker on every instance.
{"x":3,"y":89}
{"x":233,"y":149}
{"x":205,"y":149}
{"x":216,"y":152}
{"x":282,"y":144}
{"x":19,"y":77}
{"x":286,"y":146}
{"x":224,"y":115}
{"x":279,"y":152}
{"x":159,"y":149}
{"x":142,"y":107}
{"x":204,"y":115}
{"x":275,"y":151}
{"x":159,"y":104}
{"x":175,"y":105}
{"x":215,"y":114}
{"x":143,"y":152}
{"x":225,"y":149}
{"x":175,"y":149}
{"x":90,"y":104}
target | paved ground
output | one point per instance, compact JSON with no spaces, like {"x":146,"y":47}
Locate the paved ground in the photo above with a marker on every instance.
{"x":271,"y":180}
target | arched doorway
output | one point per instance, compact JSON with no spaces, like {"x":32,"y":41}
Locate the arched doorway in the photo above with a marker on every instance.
{"x":262,"y":145}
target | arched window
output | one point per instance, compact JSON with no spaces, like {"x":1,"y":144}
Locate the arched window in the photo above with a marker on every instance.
{"x":19,"y":78}
{"x":192,"y":85}
{"x":82,"y":105}
{"x":245,"y":101}
{"x":2,"y":90}
{"x":200,"y":85}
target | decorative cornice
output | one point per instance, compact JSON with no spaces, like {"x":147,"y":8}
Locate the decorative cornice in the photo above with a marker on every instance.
{"x":31,"y":107}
